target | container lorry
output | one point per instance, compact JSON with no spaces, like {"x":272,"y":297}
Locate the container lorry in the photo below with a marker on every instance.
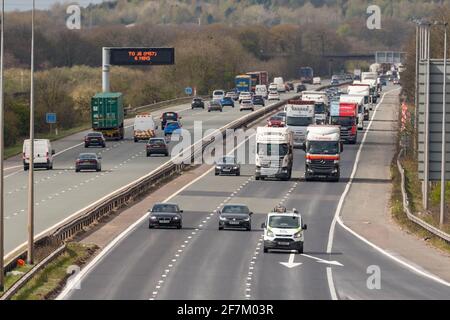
{"x":345,"y":115}
{"x":274,"y":153}
{"x":107,"y":114}
{"x":299,"y":115}
{"x":323,"y":149}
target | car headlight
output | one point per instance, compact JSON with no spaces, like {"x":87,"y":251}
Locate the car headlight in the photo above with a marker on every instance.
{"x":270,"y":233}
{"x":176,"y":218}
{"x":153,"y":218}
{"x":247,"y":219}
{"x":235,"y":167}
{"x":222,"y":218}
{"x":308,"y":160}
{"x":298,"y":235}
{"x":336,"y":161}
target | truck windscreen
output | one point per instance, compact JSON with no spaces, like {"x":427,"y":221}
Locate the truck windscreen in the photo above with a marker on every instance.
{"x":299,"y":121}
{"x":319,"y":108}
{"x":322,"y":147}
{"x":272,"y":149}
{"x":343,"y":121}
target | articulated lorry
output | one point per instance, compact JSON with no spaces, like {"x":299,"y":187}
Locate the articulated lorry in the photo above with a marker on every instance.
{"x":243,"y":83}
{"x":323,"y":149}
{"x":321,"y":104}
{"x":299,"y":115}
{"x":107,"y":114}
{"x":258,"y":78}
{"x":306,"y":75}
{"x":274,"y":153}
{"x":359,"y":100}
{"x":345,"y":115}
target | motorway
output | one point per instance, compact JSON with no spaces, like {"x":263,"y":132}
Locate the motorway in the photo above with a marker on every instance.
{"x":61,"y":192}
{"x":201,"y":262}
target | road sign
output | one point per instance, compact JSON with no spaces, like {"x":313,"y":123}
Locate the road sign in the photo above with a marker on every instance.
{"x":393,"y":57}
{"x":141,"y":56}
{"x":434,"y":120}
{"x":188,"y":91}
{"x":50,"y":117}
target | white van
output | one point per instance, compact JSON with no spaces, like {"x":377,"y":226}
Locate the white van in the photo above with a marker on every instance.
{"x":280,"y":84}
{"x":43,"y":154}
{"x":317,"y":80}
{"x":261,"y":90}
{"x":144,"y":127}
{"x":218,"y":94}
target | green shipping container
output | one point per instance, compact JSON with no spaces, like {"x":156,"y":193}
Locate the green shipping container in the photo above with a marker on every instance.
{"x":107,"y":111}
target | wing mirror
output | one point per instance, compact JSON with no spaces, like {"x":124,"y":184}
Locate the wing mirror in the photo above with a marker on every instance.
{"x":181,"y":211}
{"x":305,"y":227}
{"x":251,"y":213}
{"x":263,"y":225}
{"x":217,"y":211}
{"x":341,"y":143}
{"x":303,"y":146}
{"x":53,"y":151}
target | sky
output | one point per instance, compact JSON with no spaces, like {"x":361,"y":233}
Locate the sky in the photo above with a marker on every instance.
{"x":41,"y":4}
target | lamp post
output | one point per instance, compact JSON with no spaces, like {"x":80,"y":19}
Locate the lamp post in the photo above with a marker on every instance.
{"x":2,"y":207}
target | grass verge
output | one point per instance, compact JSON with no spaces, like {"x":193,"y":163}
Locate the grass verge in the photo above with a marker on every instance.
{"x":49,"y":281}
{"x":415,"y":198}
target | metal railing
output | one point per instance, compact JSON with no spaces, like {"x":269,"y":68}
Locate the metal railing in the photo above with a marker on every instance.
{"x":437,"y":232}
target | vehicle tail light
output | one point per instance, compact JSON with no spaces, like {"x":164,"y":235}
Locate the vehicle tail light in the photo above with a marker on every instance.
{"x":23,"y":156}
{"x":46,"y":155}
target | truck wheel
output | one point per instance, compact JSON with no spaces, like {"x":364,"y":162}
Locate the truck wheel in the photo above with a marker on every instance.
{"x":266,"y":250}
{"x":256,"y":178}
{"x":136,"y":140}
{"x":26,"y":168}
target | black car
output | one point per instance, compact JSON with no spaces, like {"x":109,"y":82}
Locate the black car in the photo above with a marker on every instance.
{"x":94,"y":139}
{"x":290,"y":85}
{"x":88,"y":161}
{"x":228,"y":165}
{"x":197,"y":103}
{"x":157,"y":146}
{"x":165,"y":215}
{"x":235,"y":216}
{"x":258,"y":101}
{"x":301,"y":88}
{"x":167,"y":117}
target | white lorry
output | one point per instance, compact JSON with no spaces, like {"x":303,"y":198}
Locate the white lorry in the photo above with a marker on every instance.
{"x":274,"y":153}
{"x":261,"y":90}
{"x":299,"y":115}
{"x":43,"y":154}
{"x":362,"y":111}
{"x":144,"y":127}
{"x":280,"y":84}
{"x":323,"y":148}
{"x":321,"y":104}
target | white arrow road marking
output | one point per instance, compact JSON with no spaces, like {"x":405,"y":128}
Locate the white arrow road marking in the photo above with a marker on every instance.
{"x":335,"y":263}
{"x":291,"y":264}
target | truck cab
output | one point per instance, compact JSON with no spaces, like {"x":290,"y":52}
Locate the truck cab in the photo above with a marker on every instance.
{"x":321,"y":104}
{"x":284,"y":230}
{"x":363,"y":111}
{"x":274,"y":153}
{"x":299,"y":115}
{"x":345,"y":115}
{"x":323,"y":148}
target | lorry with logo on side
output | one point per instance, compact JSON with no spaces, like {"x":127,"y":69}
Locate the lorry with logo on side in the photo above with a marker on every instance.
{"x":321,"y":104}
{"x":359,"y":100}
{"x":274,"y":153}
{"x":144,"y":127}
{"x":299,"y":115}
{"x":306,"y":75}
{"x":107,"y":114}
{"x":258,"y":78}
{"x":345,"y":115}
{"x":243,"y":83}
{"x":323,"y":149}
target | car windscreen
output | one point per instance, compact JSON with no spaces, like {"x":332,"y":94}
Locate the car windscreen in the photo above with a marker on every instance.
{"x":197,"y":100}
{"x":343,"y":121}
{"x":322,"y":147}
{"x":87,"y":156}
{"x":156,"y":141}
{"x":270,"y":149}
{"x":94,"y":134}
{"x":276,"y":119}
{"x":167,"y":208}
{"x":218,"y":93}
{"x":299,"y":121}
{"x":235,"y":209}
{"x":284,"y":222}
{"x":227,"y":160}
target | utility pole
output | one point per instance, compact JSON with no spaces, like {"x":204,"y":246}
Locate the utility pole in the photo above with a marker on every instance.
{"x":30,"y":254}
{"x":2,"y":120}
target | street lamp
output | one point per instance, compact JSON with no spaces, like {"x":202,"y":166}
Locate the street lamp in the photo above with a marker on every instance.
{"x":2,"y":207}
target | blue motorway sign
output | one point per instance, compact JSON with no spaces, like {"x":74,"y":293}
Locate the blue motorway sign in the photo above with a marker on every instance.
{"x":188,"y":91}
{"x":50,"y":117}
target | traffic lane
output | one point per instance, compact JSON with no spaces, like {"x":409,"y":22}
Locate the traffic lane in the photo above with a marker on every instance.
{"x":358,"y":279}
{"x":121,"y":165}
{"x":216,"y":265}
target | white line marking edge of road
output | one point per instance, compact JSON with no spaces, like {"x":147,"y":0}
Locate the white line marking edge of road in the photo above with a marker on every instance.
{"x":337,"y":219}
{"x":83,"y":273}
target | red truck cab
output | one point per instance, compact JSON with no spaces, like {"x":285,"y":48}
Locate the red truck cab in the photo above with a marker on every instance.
{"x":346,"y":115}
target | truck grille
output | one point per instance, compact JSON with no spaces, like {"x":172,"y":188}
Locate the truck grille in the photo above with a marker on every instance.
{"x":325,"y":165}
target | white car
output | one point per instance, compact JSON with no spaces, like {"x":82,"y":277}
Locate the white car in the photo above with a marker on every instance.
{"x":218,"y":94}
{"x":317,"y":80}
{"x":247,"y":105}
{"x":283,"y":230}
{"x":245,"y":96}
{"x":273,"y":96}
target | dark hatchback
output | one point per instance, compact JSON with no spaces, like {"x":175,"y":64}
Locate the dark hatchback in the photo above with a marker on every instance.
{"x":258,"y":101}
{"x":228,"y":165}
{"x":197,"y":103}
{"x":167,"y":117}
{"x":94,"y":139}
{"x":165,"y":215}
{"x":301,"y":88}
{"x":157,"y":146}
{"x":88,"y":161}
{"x":235,"y":216}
